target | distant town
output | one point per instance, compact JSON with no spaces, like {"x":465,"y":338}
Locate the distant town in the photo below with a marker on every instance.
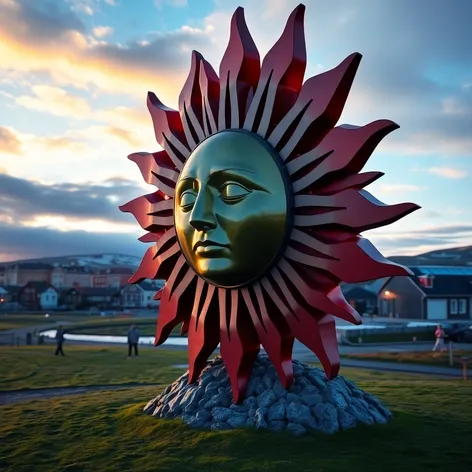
{"x":74,"y":283}
{"x":440,"y":289}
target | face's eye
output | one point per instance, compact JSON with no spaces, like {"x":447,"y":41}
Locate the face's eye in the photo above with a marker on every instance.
{"x":233,"y":193}
{"x":187,"y":200}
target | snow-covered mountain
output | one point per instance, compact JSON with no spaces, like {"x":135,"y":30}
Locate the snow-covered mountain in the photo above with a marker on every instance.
{"x":97,"y":261}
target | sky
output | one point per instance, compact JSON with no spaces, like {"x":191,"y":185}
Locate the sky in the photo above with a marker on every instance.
{"x":74,"y":76}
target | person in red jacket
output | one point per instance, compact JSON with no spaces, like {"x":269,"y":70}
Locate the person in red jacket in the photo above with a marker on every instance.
{"x":439,"y":334}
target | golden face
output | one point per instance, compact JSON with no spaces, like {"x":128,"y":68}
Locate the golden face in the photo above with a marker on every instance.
{"x":231,"y":207}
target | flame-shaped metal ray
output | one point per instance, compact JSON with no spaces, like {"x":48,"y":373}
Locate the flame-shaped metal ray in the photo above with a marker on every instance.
{"x":151,"y":211}
{"x":239,"y":73}
{"x":316,"y":110}
{"x":357,"y":181}
{"x":331,"y":301}
{"x":169,"y":130}
{"x":281,"y":77}
{"x":203,"y":333}
{"x":153,"y":258}
{"x":370,"y":264}
{"x":175,"y":303}
{"x":308,"y":329}
{"x":356,"y":210}
{"x":276,"y":339}
{"x":190,"y":104}
{"x":239,"y":344}
{"x":210,"y":88}
{"x":347,"y":149}
{"x":157,"y":169}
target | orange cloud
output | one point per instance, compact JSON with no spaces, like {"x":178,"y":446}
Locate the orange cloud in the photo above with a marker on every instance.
{"x":9,"y":141}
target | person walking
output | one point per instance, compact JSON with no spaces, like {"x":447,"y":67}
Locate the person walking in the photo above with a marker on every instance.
{"x":440,"y":335}
{"x":59,"y":341}
{"x":133,"y":339}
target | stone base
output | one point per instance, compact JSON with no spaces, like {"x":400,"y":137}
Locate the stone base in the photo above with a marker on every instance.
{"x":311,"y":404}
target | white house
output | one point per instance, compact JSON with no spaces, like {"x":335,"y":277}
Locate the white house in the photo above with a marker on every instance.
{"x":49,"y":299}
{"x":140,"y":295}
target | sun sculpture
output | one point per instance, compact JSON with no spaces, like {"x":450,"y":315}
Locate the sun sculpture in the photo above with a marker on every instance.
{"x":259,"y":206}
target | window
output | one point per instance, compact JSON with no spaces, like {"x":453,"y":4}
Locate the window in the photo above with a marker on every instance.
{"x":453,"y":306}
{"x":463,"y":306}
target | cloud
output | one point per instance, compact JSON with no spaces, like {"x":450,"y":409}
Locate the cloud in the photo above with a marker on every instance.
{"x":16,"y":242}
{"x":41,"y":37}
{"x":9,"y":142}
{"x":173,"y":3}
{"x":102,"y":31}
{"x":448,"y":172}
{"x":398,"y":188}
{"x":27,"y":202}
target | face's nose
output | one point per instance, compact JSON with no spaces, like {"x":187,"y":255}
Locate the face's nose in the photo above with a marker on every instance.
{"x":202,"y":217}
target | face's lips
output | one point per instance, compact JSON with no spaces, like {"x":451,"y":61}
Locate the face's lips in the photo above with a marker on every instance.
{"x":208,"y":243}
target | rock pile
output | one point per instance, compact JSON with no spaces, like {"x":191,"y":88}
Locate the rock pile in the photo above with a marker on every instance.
{"x":311,"y":404}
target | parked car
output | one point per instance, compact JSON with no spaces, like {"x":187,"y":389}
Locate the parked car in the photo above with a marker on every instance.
{"x":462,"y":334}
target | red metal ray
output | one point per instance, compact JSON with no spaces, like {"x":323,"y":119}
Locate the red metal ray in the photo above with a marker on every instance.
{"x":152,"y":237}
{"x":277,"y":342}
{"x":316,"y":110}
{"x":210,"y":88}
{"x":190,"y":104}
{"x":169,"y":130}
{"x":151,"y":211}
{"x":281,"y":77}
{"x":356,"y":210}
{"x":203,"y":332}
{"x":185,"y":326}
{"x":239,"y":72}
{"x":176,"y":300}
{"x":239,"y":344}
{"x":347,"y":149}
{"x":325,"y":301}
{"x":316,"y":332}
{"x":157,"y":169}
{"x":352,"y":261}
{"x":357,"y":181}
{"x":149,"y":267}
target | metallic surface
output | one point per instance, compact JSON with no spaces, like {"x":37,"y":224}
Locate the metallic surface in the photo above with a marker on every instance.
{"x":231,"y":205}
{"x":303,"y":193}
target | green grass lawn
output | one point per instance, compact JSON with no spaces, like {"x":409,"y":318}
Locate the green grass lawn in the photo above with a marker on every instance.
{"x":15,"y":321}
{"x":420,"y":357}
{"x":37,"y":367}
{"x":106,"y":431}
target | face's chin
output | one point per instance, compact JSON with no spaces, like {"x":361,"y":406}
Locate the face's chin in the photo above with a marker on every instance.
{"x":216,"y":269}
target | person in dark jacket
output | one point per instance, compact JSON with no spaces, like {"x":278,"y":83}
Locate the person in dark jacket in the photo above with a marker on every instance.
{"x":133,"y":339}
{"x":59,"y":341}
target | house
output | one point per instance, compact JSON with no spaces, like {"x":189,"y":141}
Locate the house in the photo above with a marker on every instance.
{"x":140,"y":295}
{"x":432,"y":293}
{"x":362,"y":299}
{"x":113,"y":277}
{"x":38,"y":296}
{"x":20,"y":273}
{"x":88,"y":297}
{"x":9,"y":293}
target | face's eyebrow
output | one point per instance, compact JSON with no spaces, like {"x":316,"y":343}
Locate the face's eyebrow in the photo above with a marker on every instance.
{"x":228,"y":169}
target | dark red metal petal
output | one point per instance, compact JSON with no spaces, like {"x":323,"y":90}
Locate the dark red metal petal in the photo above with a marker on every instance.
{"x":210,"y":88}
{"x":281,"y":78}
{"x":316,"y":110}
{"x":155,"y":256}
{"x":239,"y":72}
{"x":347,"y":149}
{"x":239,"y":344}
{"x":356,"y":181}
{"x":357,"y":210}
{"x":203,"y":332}
{"x":176,"y":300}
{"x":169,"y":130}
{"x":151,"y":211}
{"x":190,"y":104}
{"x":352,"y":261}
{"x":316,"y":331}
{"x":157,"y":169}
{"x":275,"y":339}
